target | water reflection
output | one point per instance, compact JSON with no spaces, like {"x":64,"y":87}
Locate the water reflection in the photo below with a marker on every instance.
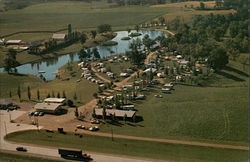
{"x":51,"y":65}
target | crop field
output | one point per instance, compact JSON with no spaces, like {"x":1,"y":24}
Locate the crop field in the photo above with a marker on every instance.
{"x":155,"y":150}
{"x":216,"y":114}
{"x":56,"y":15}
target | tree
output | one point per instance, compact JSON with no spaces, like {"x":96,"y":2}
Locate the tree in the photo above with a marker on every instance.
{"x":53,"y":94}
{"x":76,"y":113}
{"x":104,"y":28}
{"x":48,"y":95}
{"x":137,"y":27}
{"x":83,"y":38}
{"x":96,"y":53}
{"x":10,"y":62}
{"x":93,"y":33}
{"x":95,"y":95}
{"x":125,"y":118}
{"x":75,"y":97}
{"x":147,"y":41}
{"x":218,"y":58}
{"x":38,"y":94}
{"x":28,"y":93}
{"x":202,"y":5}
{"x":19,"y":92}
{"x":58,"y":95}
{"x":69,"y":29}
{"x":64,"y":95}
{"x":104,"y":113}
{"x":10,"y":94}
{"x":161,"y":20}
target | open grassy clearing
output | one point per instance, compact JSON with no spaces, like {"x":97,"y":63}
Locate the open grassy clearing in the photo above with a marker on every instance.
{"x":215,"y":114}
{"x":129,"y":147}
{"x":29,"y":37}
{"x":55,"y":15}
{"x":11,"y":157}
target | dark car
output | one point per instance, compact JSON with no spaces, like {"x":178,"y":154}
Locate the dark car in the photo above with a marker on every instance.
{"x":21,"y":149}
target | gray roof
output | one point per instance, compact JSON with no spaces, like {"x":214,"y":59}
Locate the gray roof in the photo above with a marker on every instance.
{"x":47,"y":106}
{"x":118,"y":113}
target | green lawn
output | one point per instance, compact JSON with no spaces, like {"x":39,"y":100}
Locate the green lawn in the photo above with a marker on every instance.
{"x":11,"y":157}
{"x":83,"y":89}
{"x":216,"y":114}
{"x":129,"y":147}
{"x":56,"y":15}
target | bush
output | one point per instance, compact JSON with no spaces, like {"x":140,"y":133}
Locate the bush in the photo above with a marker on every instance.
{"x":70,"y":103}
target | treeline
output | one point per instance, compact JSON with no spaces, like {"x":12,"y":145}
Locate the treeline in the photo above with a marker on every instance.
{"x":216,"y":38}
{"x":137,"y":2}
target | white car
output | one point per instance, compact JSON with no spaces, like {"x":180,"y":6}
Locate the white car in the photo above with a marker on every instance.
{"x":80,"y":126}
{"x":95,"y":128}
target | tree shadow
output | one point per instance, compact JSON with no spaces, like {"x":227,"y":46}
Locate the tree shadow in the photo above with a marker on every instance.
{"x":229,"y":76}
{"x":228,"y":68}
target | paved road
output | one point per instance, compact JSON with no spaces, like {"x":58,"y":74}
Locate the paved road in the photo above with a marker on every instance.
{"x":7,"y":127}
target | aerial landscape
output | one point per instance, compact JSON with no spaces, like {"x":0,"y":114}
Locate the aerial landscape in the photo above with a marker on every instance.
{"x":124,"y":80}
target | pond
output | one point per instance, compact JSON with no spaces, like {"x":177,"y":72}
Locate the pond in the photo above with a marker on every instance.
{"x":51,"y":65}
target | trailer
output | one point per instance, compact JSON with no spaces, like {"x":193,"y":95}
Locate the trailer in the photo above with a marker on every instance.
{"x":73,"y":154}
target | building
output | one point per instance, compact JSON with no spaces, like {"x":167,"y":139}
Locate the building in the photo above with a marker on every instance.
{"x":60,"y":101}
{"x":58,"y":36}
{"x":13,"y":42}
{"x":51,"y":108}
{"x":116,"y":112}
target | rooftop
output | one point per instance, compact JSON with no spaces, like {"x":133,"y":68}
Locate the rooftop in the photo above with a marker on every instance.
{"x":58,"y":100}
{"x":58,"y":36}
{"x":47,"y":106}
{"x":118,"y":113}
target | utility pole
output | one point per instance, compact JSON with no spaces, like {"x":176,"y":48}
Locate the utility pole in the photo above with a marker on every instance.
{"x":5,"y":127}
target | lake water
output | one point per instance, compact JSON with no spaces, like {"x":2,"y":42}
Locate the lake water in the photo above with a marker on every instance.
{"x":51,"y":65}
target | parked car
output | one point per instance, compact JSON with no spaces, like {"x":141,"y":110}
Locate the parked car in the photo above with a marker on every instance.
{"x":23,"y":149}
{"x":41,"y":114}
{"x":36,"y":113}
{"x":30,"y":113}
{"x":95,"y":128}
{"x":95,"y":121}
{"x":80,"y":126}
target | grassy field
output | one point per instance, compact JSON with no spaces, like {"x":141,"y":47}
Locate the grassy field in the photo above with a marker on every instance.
{"x":216,"y":114}
{"x":10,"y":83}
{"x":83,"y":89}
{"x":129,"y":147}
{"x":11,"y":157}
{"x":56,"y":15}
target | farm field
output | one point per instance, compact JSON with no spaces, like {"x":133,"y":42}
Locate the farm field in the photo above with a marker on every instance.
{"x":215,"y":114}
{"x":189,"y":4}
{"x":129,"y":147}
{"x":56,"y":15}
